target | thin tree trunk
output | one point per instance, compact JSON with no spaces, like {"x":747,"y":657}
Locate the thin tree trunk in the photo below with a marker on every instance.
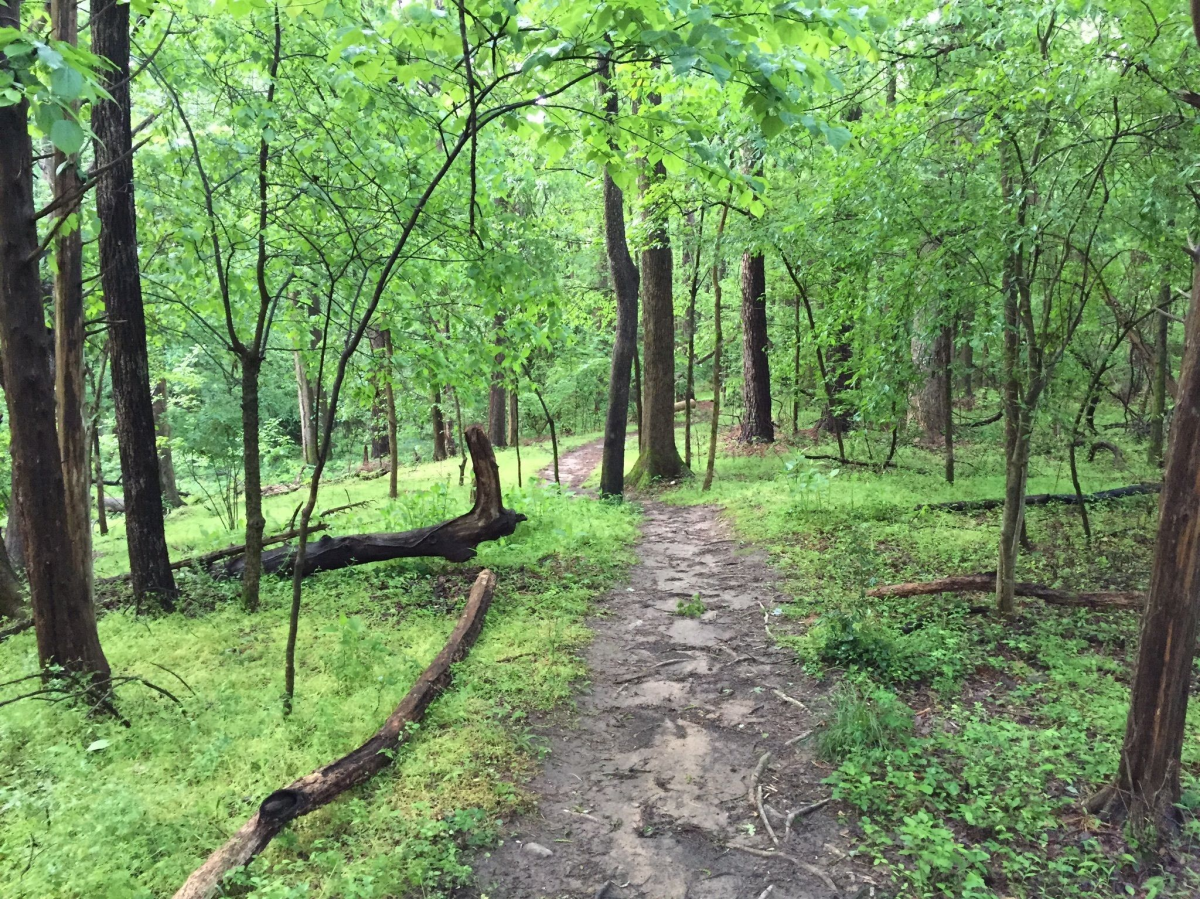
{"x":514,"y":428}
{"x":757,"y":426}
{"x":1147,"y":787}
{"x":1162,"y":362}
{"x":1015,"y":445}
{"x":689,"y":392}
{"x":166,"y":461}
{"x":718,"y":346}
{"x":637,"y":394}
{"x":12,"y":597}
{"x":101,"y":514}
{"x":462,"y":465}
{"x":149,"y":563}
{"x":64,"y":619}
{"x":252,"y":464}
{"x":553,"y":435}
{"x":796,"y":369}
{"x":390,"y":396}
{"x":68,"y":337}
{"x":624,"y":275}
{"x":948,"y":401}
{"x":308,"y":420}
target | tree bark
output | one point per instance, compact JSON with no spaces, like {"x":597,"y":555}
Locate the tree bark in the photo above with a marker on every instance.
{"x":327,"y":783}
{"x":948,"y":402}
{"x":69,"y":388}
{"x":308,"y":420}
{"x":14,"y":534}
{"x":757,"y":426}
{"x":931,"y":355}
{"x":390,"y":396}
{"x":256,"y":523}
{"x":121,"y":280}
{"x":13,"y":603}
{"x":497,"y":400}
{"x":63,"y":616}
{"x":1147,"y":787}
{"x":166,"y":461}
{"x":514,"y":426}
{"x":454,"y":540}
{"x":718,"y":346}
{"x":101,"y":513}
{"x":659,"y":458}
{"x":439,"y":428}
{"x":1162,"y":364}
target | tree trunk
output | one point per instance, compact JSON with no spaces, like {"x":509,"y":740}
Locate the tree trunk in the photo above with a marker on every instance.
{"x":252,"y":468}
{"x":637,"y":394}
{"x":64,"y":618}
{"x":390,"y":394}
{"x":1162,"y":364}
{"x":439,"y":428}
{"x":931,"y":356}
{"x":14,"y":535}
{"x":497,"y":399}
{"x":624,"y":275}
{"x":12,"y":597}
{"x":718,"y":346}
{"x":659,"y":459}
{"x":838,"y":419}
{"x":121,"y":280}
{"x":796,"y":369}
{"x":514,"y":426}
{"x":948,"y":402}
{"x":166,"y":461}
{"x":101,"y":514}
{"x":757,"y":426}
{"x":308,"y":420}
{"x":68,"y":337}
{"x":1147,"y":787}
{"x":1016,"y":446}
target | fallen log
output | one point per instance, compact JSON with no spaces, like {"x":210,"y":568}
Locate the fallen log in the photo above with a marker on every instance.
{"x":454,"y":540}
{"x":322,"y":786}
{"x":1044,"y":499}
{"x":986,"y":582}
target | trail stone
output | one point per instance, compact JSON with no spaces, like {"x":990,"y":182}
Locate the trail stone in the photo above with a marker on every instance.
{"x":537,"y":850}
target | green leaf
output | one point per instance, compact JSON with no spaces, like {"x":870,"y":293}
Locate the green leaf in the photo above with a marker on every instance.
{"x":97,"y":745}
{"x":66,"y":83}
{"x":67,"y":136}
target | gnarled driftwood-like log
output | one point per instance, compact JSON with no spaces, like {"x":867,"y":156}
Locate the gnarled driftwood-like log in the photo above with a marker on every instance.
{"x":454,"y":540}
{"x":982,"y":583}
{"x":325,"y":784}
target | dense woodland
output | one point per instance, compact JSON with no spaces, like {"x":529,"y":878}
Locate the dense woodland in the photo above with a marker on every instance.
{"x":903,"y":294}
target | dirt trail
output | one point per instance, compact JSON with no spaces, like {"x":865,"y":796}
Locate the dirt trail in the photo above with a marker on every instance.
{"x":647,"y":784}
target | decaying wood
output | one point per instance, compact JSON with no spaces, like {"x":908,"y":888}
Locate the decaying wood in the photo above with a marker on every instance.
{"x":322,"y":786}
{"x":454,"y":540}
{"x":1045,"y":499}
{"x":982,"y":583}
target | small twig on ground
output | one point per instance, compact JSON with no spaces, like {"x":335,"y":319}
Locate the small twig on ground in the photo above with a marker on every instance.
{"x":792,"y":700}
{"x":767,"y":892}
{"x":651,"y":669}
{"x":766,"y":620}
{"x":803,"y":866}
{"x":593,"y":818}
{"x":800,"y":813}
{"x":798,"y":738}
{"x":756,"y":799}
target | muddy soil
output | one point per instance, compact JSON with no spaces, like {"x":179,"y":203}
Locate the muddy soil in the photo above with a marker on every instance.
{"x":646,"y":789}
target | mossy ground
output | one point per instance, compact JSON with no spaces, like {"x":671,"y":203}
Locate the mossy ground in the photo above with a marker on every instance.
{"x":89,"y":808}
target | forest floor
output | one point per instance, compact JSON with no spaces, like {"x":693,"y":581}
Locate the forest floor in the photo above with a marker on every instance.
{"x":647,"y":788}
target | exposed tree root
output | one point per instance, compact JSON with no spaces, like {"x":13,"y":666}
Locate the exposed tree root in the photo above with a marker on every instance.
{"x":1045,"y":499}
{"x":980,"y":583}
{"x":325,"y":784}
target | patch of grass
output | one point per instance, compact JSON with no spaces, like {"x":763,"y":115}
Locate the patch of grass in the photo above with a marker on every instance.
{"x":693,"y":608}
{"x":861,"y":719}
{"x":133,"y":818}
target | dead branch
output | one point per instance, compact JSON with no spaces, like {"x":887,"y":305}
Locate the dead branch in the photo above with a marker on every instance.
{"x":454,"y":540}
{"x":1044,"y":499}
{"x":322,"y":786}
{"x":982,"y":583}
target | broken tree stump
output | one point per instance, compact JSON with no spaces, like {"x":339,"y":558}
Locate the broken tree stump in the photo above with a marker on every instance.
{"x":322,"y":786}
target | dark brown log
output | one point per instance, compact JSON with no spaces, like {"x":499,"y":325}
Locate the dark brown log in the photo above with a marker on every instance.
{"x":454,"y":540}
{"x":1044,"y":499}
{"x":322,"y":786}
{"x":984,"y":583}
{"x":120,"y":277}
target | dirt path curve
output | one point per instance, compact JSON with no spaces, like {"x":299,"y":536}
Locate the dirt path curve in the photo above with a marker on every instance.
{"x":648,"y":782}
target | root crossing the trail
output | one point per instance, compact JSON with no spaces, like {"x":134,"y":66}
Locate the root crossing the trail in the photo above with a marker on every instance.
{"x":645,"y":792}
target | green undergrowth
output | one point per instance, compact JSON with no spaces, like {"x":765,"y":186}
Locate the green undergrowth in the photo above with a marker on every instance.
{"x":91,"y":808}
{"x":963,"y":744}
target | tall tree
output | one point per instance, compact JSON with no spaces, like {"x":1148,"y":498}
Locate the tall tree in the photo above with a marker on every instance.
{"x":624,"y":275}
{"x":120,"y":278}
{"x":166,"y":458}
{"x":1147,"y":787}
{"x":73,"y":440}
{"x":64,"y":619}
{"x":757,"y":426}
